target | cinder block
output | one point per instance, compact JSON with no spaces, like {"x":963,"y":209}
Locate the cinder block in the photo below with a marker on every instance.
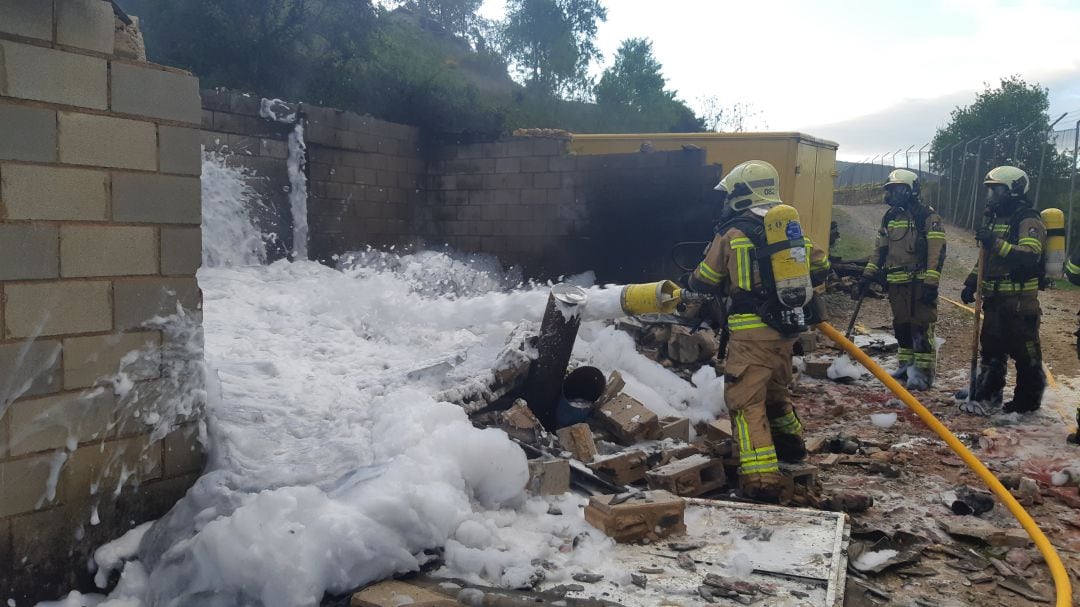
{"x":675,"y":428}
{"x":180,"y":150}
{"x":57,"y":308}
{"x":27,"y":251}
{"x":107,"y":142}
{"x":628,"y":420}
{"x":578,"y":440}
{"x":32,"y":368}
{"x":44,"y":424}
{"x":182,"y":453}
{"x":107,"y":251}
{"x":622,"y":468}
{"x":24,"y":483}
{"x":718,"y":430}
{"x":85,"y":24}
{"x":29,"y":133}
{"x":45,"y":192}
{"x":105,"y":468}
{"x":145,"y":198}
{"x":29,"y":18}
{"x":148,"y":91}
{"x":89,"y":359}
{"x":42,"y":74}
{"x":548,"y":477}
{"x":139,"y":300}
{"x":181,"y":250}
{"x":688,"y":477}
{"x":651,"y":515}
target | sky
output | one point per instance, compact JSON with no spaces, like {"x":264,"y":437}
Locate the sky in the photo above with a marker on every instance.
{"x":872,"y":76}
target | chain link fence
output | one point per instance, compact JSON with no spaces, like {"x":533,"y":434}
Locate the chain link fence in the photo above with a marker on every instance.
{"x":952,"y":182}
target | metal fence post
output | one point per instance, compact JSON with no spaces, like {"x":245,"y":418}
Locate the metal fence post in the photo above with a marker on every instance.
{"x":1072,"y":185}
{"x":907,"y":157}
{"x":1042,"y":158}
{"x":960,"y":182}
{"x":975,"y":183}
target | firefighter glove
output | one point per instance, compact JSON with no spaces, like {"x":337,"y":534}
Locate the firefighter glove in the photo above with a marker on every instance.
{"x":862,"y":288}
{"x":968,"y":294}
{"x":929,"y":295}
{"x":986,"y":237}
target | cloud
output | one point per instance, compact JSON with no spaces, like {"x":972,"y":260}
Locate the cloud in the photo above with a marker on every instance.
{"x":914,"y":121}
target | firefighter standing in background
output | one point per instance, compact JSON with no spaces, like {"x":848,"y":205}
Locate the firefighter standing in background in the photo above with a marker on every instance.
{"x":910,"y":255}
{"x":1013,"y":239}
{"x":1072,"y":272}
{"x":758,"y":365}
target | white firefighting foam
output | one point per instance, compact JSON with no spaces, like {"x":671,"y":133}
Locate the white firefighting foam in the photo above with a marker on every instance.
{"x":330,"y":466}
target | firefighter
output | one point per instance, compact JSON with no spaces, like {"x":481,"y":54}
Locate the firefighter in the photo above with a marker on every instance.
{"x":910,"y":255}
{"x":1013,"y":240}
{"x":763,"y":330}
{"x":1072,"y":272}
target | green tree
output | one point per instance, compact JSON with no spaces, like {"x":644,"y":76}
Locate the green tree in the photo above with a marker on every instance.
{"x":633,"y":89}
{"x":289,"y":48}
{"x":1013,"y":116}
{"x":459,"y":17}
{"x":551,"y":43}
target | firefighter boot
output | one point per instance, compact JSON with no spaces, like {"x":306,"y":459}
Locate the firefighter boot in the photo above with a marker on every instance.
{"x":901,"y":371}
{"x":1030,"y":385}
{"x":919,"y":378}
{"x":761,"y":487}
{"x":989,"y":389}
{"x":790,"y":448}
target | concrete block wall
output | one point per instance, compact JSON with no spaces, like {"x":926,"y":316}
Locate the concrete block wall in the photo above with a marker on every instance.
{"x":531,"y":203}
{"x":99,"y":232}
{"x":364,"y":175}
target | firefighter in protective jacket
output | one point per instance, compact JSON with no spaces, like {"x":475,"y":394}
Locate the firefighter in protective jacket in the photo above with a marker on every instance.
{"x":763,"y":330}
{"x":1013,"y":238}
{"x":1072,"y":272}
{"x":910,"y":255}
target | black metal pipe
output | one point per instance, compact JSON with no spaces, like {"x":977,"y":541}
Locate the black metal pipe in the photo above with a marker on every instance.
{"x":558,"y":332}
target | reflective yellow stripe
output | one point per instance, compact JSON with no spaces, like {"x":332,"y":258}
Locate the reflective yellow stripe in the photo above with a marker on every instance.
{"x":1008,"y":286}
{"x":931,"y":274}
{"x":787,"y":424}
{"x":742,"y":262}
{"x":874,"y":268}
{"x":708,"y":274}
{"x":742,"y":322}
{"x":900,"y":223}
{"x":895,"y":277}
{"x":906,"y":355}
{"x":742,"y":433}
{"x":741,"y":241}
{"x":1005,"y":249}
{"x":1031,"y":242}
{"x":1072,"y":268}
{"x":935,"y":235}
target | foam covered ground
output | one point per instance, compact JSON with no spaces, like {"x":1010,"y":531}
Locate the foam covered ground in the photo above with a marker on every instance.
{"x":331,"y":465}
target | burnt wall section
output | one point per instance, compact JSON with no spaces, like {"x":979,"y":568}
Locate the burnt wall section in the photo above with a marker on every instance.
{"x":529,"y":202}
{"x":364,"y":175}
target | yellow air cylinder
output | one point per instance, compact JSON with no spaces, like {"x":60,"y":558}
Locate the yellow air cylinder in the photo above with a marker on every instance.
{"x":651,"y":298}
{"x":790,"y":267}
{"x":1054,"y":220}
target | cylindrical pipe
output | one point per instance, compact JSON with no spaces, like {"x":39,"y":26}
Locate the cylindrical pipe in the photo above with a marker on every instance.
{"x":558,"y":332}
{"x":907,"y":157}
{"x":1072,"y":185}
{"x":1062,"y":586}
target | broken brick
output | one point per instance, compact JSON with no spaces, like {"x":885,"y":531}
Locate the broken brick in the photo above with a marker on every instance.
{"x":818,"y":368}
{"x":675,"y":428}
{"x":689,"y":477}
{"x":628,"y":420}
{"x":519,"y":422}
{"x":578,"y":440}
{"x":648,"y":515}
{"x":548,"y":476}
{"x":622,"y":468}
{"x":718,"y":430}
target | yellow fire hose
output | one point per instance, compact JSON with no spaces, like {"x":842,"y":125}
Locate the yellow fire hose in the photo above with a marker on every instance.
{"x":1062,"y":585}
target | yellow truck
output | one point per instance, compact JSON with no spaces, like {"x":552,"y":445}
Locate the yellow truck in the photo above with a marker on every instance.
{"x":807,"y":165}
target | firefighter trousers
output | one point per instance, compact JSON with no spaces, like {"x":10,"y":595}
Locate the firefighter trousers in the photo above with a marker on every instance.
{"x":1011,"y":330}
{"x":757,"y":375}
{"x":913,"y":324}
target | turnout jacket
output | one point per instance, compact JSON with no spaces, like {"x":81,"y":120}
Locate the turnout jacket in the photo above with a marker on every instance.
{"x":730,"y":265}
{"x":910,"y":246}
{"x":1013,"y":260}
